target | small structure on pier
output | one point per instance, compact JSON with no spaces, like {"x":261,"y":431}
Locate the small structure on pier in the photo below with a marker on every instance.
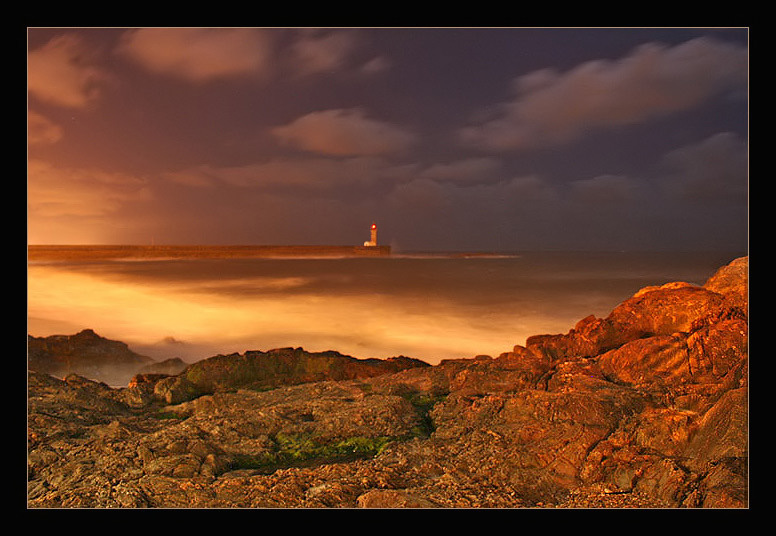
{"x":373,"y":237}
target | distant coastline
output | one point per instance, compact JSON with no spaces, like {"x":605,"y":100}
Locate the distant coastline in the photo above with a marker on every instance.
{"x":110,"y":252}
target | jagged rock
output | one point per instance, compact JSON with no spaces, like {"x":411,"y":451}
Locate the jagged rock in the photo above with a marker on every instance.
{"x":717,"y":350}
{"x":176,"y":389}
{"x":287,"y":366}
{"x":666,"y":310}
{"x":732,"y":281}
{"x":655,"y":310}
{"x":145,"y":380}
{"x":657,"y":360}
{"x":86,"y":354}
{"x":647,"y":408}
{"x":722,"y":432}
{"x":663,"y":310}
{"x":171,"y":367}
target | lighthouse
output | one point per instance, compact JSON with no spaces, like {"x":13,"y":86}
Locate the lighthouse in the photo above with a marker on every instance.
{"x":373,"y":237}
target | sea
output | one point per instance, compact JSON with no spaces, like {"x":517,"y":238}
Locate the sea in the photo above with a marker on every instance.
{"x":425,"y":305}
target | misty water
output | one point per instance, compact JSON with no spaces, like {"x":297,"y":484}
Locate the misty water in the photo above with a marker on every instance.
{"x":426,"y":306}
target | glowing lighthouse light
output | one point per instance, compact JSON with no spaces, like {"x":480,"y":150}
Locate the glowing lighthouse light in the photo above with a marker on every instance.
{"x":373,"y":240}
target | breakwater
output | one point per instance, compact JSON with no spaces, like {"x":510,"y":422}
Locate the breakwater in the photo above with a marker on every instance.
{"x":107,"y":252}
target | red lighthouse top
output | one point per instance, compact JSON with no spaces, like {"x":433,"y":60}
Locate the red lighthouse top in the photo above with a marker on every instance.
{"x":374,"y":226}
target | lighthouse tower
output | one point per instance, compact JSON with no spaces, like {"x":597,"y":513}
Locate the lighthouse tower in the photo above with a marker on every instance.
{"x":373,"y":237}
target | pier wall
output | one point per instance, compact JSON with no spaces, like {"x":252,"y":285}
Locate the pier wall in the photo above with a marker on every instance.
{"x":53,"y":252}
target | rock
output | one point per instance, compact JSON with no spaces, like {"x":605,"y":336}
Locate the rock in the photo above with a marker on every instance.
{"x":665,"y":480}
{"x":519,"y":369}
{"x":732,"y":281}
{"x":175,"y":389}
{"x":725,"y":485}
{"x":664,"y":310}
{"x":286,"y":366}
{"x":170,"y":367}
{"x":646,"y":408}
{"x":652,"y":361}
{"x":722,"y":433}
{"x":589,"y":337}
{"x":392,"y":499}
{"x":140,"y":381}
{"x":86,"y":354}
{"x":717,"y":350}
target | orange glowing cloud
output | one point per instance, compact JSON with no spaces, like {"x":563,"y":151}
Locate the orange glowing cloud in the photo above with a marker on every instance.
{"x":40,"y":130}
{"x":315,"y":53}
{"x":199,"y":54}
{"x":344,"y":133}
{"x":77,"y":205}
{"x":63,"y":72}
{"x":59,"y":191}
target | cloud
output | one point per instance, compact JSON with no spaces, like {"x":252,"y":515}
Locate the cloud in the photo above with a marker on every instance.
{"x":63,"y":72}
{"x":41,"y":130}
{"x":469,"y":170}
{"x":605,"y":190}
{"x":199,"y":54}
{"x":501,"y":199}
{"x":54,"y":191}
{"x":422,"y":196}
{"x":344,"y":133}
{"x":316,"y":53}
{"x":552,"y":107}
{"x":315,"y":175}
{"x":714,"y":170}
{"x":376,"y":65}
{"x":476,"y":216}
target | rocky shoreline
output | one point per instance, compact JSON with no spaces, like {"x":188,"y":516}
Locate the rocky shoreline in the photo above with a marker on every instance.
{"x":646,"y":408}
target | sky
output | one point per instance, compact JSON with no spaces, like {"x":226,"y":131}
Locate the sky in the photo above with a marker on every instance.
{"x":450,"y":139}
